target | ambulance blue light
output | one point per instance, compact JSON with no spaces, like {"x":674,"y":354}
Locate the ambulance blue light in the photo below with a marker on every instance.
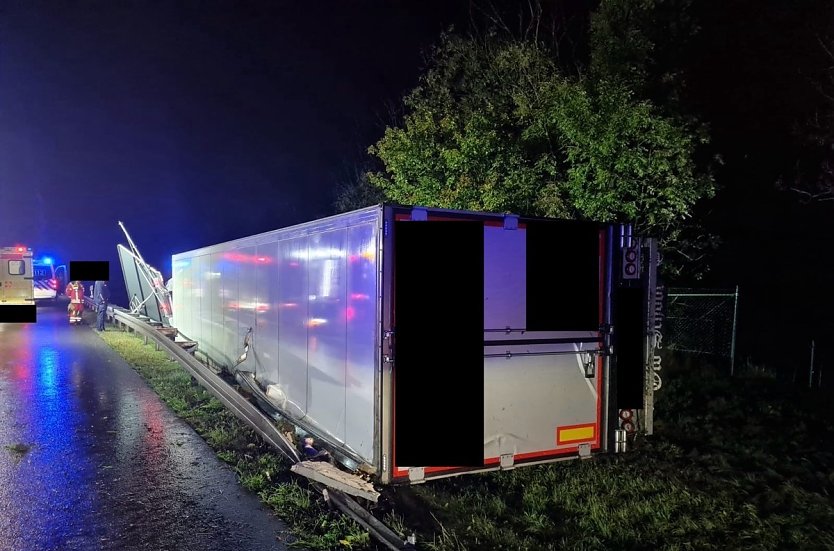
{"x":47,"y":260}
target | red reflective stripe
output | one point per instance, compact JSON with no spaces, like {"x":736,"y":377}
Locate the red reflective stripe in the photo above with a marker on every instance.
{"x":400,"y":473}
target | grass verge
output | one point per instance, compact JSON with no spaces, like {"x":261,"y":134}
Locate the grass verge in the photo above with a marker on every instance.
{"x":734,"y":464}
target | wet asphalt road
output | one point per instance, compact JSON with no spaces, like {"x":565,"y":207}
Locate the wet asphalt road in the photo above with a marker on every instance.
{"x":109,"y":465}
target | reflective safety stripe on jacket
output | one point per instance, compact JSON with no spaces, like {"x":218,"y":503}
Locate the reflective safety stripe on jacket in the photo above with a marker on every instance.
{"x":75,"y":293}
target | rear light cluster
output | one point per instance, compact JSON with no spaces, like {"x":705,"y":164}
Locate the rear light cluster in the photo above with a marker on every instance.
{"x":53,"y":284}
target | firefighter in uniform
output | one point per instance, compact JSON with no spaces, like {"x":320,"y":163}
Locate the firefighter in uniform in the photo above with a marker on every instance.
{"x":75,"y":292}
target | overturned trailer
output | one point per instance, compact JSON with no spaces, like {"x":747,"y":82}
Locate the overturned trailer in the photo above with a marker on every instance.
{"x":420,"y":343}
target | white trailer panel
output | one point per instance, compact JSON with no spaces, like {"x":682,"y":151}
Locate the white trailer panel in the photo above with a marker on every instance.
{"x":309,"y":294}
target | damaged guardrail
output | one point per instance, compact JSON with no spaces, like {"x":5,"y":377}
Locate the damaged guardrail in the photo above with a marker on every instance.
{"x":236,"y":403}
{"x":250,"y":414}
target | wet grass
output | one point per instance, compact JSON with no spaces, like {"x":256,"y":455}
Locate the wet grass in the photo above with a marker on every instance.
{"x":744,"y":463}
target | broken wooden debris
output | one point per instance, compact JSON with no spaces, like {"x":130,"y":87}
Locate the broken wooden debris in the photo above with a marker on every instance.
{"x":332,"y":476}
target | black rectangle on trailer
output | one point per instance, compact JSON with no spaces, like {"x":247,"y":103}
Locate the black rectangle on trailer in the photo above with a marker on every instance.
{"x":563,"y":276}
{"x":438,"y":364}
{"x":629,"y":323}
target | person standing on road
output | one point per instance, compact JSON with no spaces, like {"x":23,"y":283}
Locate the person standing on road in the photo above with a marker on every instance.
{"x":101,"y":296}
{"x":75,"y":292}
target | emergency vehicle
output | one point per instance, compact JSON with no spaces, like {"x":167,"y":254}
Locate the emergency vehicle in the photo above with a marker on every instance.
{"x":46,"y":279}
{"x":16,"y":279}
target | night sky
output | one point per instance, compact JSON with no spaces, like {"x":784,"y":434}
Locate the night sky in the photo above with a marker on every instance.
{"x":192,"y":122}
{"x":201,"y":122}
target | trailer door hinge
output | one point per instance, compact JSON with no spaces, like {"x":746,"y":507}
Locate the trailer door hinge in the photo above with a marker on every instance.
{"x":416,"y":474}
{"x":389,"y":337}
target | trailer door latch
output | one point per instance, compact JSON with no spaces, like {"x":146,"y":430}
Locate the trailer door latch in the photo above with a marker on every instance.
{"x":589,"y":363}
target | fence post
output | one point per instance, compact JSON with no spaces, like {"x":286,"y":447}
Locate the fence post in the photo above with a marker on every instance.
{"x":811,"y":370}
{"x":733,"y":342}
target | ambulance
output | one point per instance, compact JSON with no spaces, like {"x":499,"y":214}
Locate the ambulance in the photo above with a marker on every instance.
{"x":16,"y":276}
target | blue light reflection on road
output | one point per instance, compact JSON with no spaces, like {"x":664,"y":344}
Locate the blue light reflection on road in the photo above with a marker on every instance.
{"x":52,"y":481}
{"x":47,"y":368}
{"x":59,"y":428}
{"x":109,"y":467}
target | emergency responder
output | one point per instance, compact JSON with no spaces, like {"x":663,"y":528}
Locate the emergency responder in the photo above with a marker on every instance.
{"x":75,"y":292}
{"x":101,"y":297}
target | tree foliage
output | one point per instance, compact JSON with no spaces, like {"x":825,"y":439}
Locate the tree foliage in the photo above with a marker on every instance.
{"x":644,"y":45}
{"x":812,"y":177}
{"x":498,"y":122}
{"x":494,"y":125}
{"x":357,"y":192}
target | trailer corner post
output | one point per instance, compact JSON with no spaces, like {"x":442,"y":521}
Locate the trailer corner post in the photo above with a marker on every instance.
{"x":611,"y":415}
{"x":733,"y":342}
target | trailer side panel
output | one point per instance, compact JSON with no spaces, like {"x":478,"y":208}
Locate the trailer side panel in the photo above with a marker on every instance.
{"x":309,"y":295}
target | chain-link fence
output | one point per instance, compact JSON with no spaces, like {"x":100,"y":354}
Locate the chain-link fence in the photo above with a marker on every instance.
{"x":702,"y":321}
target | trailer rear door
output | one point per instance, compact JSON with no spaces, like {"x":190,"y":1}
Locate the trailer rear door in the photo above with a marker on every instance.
{"x":539,"y":388}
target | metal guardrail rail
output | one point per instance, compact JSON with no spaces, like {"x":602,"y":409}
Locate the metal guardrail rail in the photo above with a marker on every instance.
{"x":236,"y":403}
{"x":248,"y":413}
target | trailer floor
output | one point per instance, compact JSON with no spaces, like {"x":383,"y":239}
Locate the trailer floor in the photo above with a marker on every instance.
{"x":90,"y":458}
